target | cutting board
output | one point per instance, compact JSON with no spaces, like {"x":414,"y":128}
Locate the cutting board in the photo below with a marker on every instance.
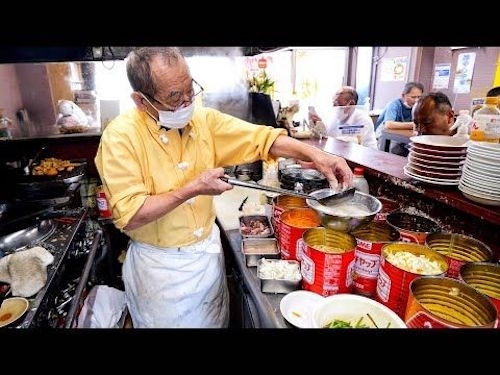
{"x":227,"y":204}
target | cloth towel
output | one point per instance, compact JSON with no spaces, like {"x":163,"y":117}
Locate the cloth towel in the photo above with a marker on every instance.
{"x":103,"y":308}
{"x":26,"y":270}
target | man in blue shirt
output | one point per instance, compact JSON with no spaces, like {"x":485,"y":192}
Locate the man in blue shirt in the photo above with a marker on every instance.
{"x":397,"y":113}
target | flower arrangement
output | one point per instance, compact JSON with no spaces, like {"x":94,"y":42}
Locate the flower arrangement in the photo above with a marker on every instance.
{"x":261,"y":82}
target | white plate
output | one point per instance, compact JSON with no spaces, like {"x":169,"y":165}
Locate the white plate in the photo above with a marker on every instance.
{"x":478,"y":188}
{"x":441,"y":141}
{"x":430,"y":180}
{"x":486,"y":146}
{"x":484,"y":155}
{"x":296,"y":307}
{"x":441,"y":158}
{"x":485,"y":178}
{"x":466,"y":192}
{"x":490,"y":163}
{"x":436,"y":163}
{"x":447,"y":153}
{"x":426,"y":171}
{"x":436,"y":169}
{"x":481,"y":168}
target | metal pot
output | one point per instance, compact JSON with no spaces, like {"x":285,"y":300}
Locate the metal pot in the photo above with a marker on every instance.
{"x":347,"y":222}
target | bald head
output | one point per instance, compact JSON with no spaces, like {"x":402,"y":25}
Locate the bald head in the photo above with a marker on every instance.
{"x":433,"y":114}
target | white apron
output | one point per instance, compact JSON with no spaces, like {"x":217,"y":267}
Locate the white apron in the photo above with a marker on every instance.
{"x":182,"y":287}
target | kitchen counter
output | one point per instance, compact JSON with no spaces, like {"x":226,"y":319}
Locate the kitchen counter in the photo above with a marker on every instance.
{"x":384,"y":172}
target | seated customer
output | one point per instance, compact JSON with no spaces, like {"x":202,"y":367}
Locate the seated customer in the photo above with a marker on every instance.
{"x":433,"y":114}
{"x":347,"y":122}
{"x":494,"y":91}
{"x":397,"y":114}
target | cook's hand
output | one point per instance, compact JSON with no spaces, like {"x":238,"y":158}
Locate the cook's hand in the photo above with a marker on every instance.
{"x":313,"y":118}
{"x":334,"y":168}
{"x":209,"y":182}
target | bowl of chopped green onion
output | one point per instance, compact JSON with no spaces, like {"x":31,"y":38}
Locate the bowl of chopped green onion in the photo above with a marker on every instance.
{"x":354,"y":311}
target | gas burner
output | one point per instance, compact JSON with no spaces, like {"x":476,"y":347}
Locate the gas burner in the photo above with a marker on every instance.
{"x":308,"y":179}
{"x":28,"y":236}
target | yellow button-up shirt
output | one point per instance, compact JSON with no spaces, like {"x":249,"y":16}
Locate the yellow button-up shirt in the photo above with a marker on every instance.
{"x":136,"y":158}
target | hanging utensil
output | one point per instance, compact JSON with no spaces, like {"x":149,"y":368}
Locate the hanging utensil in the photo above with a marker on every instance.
{"x":27,"y":169}
{"x":328,"y":199}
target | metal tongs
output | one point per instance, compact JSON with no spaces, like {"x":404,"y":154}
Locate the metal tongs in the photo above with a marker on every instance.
{"x":327,"y":200}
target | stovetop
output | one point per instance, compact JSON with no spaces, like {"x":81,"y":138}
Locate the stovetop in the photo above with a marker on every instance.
{"x":69,"y":242}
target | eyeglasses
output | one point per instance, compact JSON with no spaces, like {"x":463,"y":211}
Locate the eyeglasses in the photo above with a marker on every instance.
{"x":176,"y":99}
{"x":415,"y":97}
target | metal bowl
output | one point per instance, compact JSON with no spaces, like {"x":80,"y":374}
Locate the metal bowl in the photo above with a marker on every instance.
{"x":346,"y":216}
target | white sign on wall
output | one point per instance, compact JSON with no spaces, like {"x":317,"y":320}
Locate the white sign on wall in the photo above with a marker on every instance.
{"x":463,"y":73}
{"x":441,"y":76}
{"x":393,"y":69}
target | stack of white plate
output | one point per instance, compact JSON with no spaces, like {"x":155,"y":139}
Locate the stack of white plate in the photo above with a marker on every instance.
{"x":480,"y":181}
{"x":436,"y":159}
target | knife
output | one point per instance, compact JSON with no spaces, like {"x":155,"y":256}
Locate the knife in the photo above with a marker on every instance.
{"x":242,"y":204}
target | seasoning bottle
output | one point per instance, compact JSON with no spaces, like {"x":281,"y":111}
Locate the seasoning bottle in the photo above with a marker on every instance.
{"x":486,"y":122}
{"x":359,"y":180}
{"x":102,"y":203}
{"x":5,"y":124}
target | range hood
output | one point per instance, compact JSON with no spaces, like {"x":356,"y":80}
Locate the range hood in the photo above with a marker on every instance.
{"x":99,"y":53}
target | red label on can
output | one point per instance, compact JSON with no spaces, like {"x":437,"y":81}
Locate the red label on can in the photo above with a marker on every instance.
{"x":410,"y":237}
{"x":276,"y":219}
{"x":365,"y":272}
{"x":392,"y":287}
{"x":327,"y":273}
{"x":454,"y":267}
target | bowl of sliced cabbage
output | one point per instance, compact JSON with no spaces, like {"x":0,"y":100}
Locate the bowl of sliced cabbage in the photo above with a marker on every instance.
{"x":353,"y":311}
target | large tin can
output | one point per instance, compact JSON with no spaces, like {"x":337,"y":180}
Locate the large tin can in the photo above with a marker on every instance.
{"x":400,"y":264}
{"x":388,"y":206}
{"x":282,"y":203}
{"x":458,"y":250}
{"x":327,"y":261}
{"x":369,"y":241}
{"x":485,"y":278}
{"x":443,"y":302}
{"x":412,"y":227}
{"x":294,"y":222}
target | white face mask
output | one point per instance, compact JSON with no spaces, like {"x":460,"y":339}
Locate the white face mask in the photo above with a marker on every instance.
{"x":178,"y":119}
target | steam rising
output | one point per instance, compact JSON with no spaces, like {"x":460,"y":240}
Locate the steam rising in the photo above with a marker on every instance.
{"x":221,"y":72}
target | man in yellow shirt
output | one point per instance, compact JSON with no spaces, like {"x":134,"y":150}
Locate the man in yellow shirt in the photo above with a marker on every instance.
{"x":160,"y":164}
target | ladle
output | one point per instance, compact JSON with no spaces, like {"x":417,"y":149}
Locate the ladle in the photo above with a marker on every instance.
{"x":327,"y":200}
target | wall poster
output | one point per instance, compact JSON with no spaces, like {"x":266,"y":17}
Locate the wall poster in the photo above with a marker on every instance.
{"x":441,"y":76}
{"x":393,"y":69}
{"x":463,"y":73}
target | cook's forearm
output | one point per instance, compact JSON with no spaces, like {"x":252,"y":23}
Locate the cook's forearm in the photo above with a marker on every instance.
{"x":156,"y":206}
{"x":289,"y":147}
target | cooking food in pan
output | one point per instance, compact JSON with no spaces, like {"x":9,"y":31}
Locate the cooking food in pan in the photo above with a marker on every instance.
{"x":53,"y":166}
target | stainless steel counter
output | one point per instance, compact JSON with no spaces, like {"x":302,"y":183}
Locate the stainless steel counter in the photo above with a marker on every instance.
{"x":267,"y":305}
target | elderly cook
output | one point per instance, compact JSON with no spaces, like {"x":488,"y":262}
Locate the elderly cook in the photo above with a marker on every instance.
{"x":160,"y":164}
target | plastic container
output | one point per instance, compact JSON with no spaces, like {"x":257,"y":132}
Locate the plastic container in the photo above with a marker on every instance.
{"x":486,"y":122}
{"x":359,"y":180}
{"x":463,"y":123}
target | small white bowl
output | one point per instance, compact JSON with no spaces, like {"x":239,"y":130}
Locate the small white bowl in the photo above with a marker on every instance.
{"x":350,"y":308}
{"x":12,"y":309}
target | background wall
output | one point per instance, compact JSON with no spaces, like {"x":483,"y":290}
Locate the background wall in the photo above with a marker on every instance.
{"x":421,"y":65}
